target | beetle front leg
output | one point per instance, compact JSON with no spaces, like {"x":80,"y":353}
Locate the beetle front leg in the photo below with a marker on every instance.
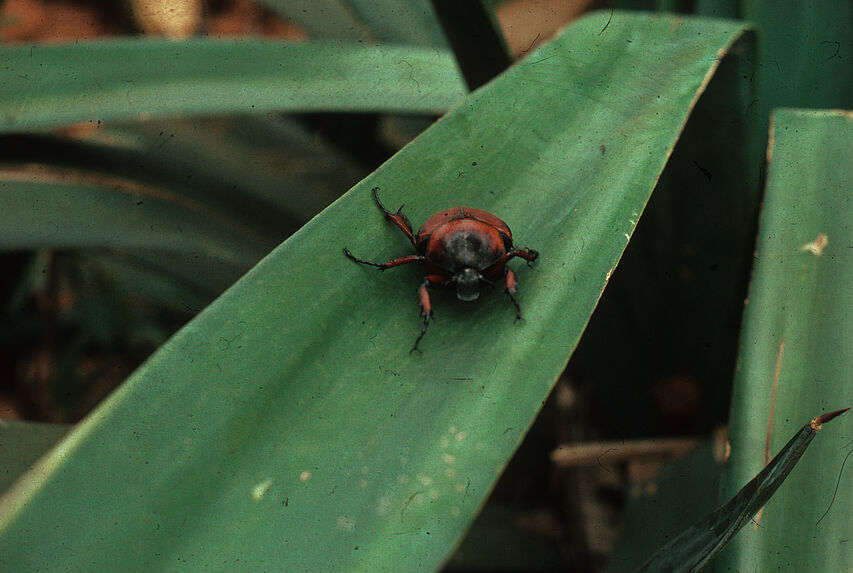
{"x":388,"y":264}
{"x":510,"y":289}
{"x":426,"y":311}
{"x":528,"y":255}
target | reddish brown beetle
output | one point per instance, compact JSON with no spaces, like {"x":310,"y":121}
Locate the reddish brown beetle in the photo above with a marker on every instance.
{"x":462,"y":247}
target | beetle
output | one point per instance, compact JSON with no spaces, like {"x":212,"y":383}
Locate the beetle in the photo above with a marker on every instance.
{"x":462,"y":247}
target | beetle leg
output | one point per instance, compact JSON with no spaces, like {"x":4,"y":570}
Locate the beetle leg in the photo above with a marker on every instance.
{"x":388,"y":264}
{"x":528,"y":255}
{"x":397,"y":218}
{"x":426,"y":311}
{"x":510,"y":289}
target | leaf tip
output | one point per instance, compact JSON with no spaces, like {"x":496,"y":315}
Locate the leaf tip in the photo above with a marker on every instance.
{"x":824,"y":418}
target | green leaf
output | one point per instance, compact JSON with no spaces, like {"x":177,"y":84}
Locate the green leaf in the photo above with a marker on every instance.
{"x":795,"y":350}
{"x":288,"y":427}
{"x":136,"y":79}
{"x":45,"y":207}
{"x":803,"y":54}
{"x":401,"y":21}
{"x":245,"y":177}
{"x":258,"y":165}
{"x":386,"y":21}
{"x":697,"y":545}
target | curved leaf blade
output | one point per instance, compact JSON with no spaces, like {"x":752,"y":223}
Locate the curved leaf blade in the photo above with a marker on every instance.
{"x":795,"y":349}
{"x":52,"y":208}
{"x":131,"y":79}
{"x":697,"y":545}
{"x":385,"y":21}
{"x":288,"y":427}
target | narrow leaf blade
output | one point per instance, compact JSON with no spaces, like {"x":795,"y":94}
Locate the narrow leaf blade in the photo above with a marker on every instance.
{"x":132,"y":79}
{"x":696,"y":546}
{"x":794,"y":351}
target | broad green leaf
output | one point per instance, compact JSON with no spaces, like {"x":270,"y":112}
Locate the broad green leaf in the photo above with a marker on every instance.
{"x":795,"y":348}
{"x":288,"y":427}
{"x":697,"y":545}
{"x":803,"y":54}
{"x":135,"y":79}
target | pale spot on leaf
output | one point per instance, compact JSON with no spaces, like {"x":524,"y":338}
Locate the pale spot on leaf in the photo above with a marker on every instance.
{"x":346,"y":523}
{"x":817,"y":246}
{"x":261,"y":489}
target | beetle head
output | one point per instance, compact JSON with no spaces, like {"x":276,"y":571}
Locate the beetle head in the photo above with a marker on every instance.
{"x":467,"y":284}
